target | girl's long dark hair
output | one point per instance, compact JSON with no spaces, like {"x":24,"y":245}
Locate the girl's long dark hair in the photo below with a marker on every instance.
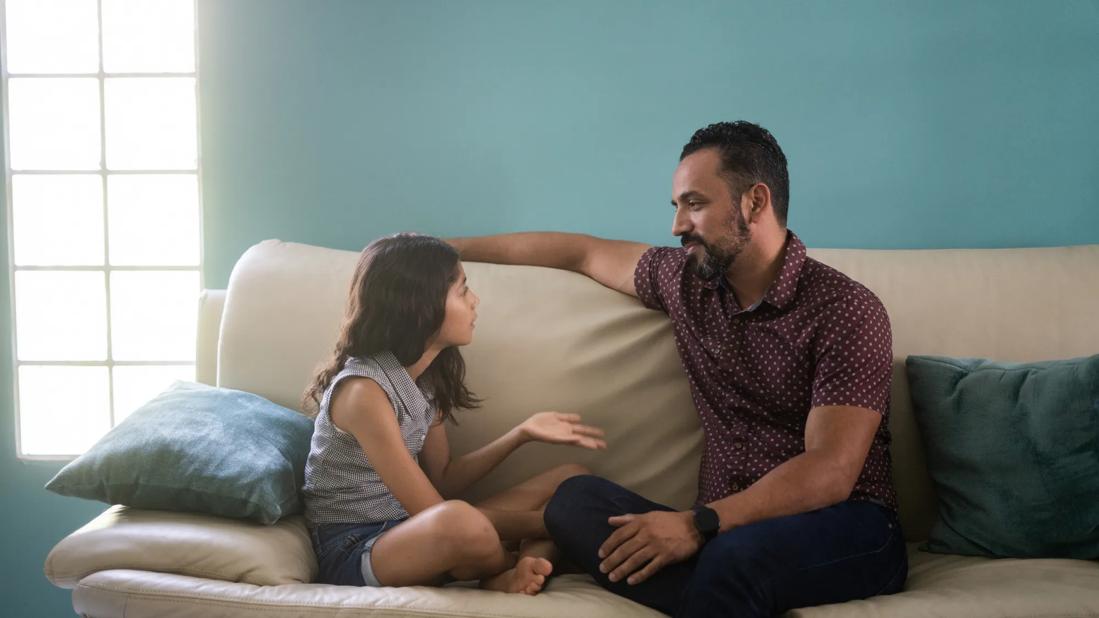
{"x":397,"y":303}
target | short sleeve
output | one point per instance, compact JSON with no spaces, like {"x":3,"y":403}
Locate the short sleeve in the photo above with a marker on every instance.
{"x":854,"y":355}
{"x":657,"y":276}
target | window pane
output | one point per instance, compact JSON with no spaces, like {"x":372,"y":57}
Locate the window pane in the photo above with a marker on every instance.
{"x":133,"y":386}
{"x":154,"y":219}
{"x":55,"y":123}
{"x":143,"y":36}
{"x":51,"y":36}
{"x":153,"y":315}
{"x":58,"y":220}
{"x":60,"y":316}
{"x":151,"y":123}
{"x":62,"y":410}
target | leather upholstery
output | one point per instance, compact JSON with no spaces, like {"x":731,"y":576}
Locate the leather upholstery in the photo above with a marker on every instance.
{"x":549,"y":339}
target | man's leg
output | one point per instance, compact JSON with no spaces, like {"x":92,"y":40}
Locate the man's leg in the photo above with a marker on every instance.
{"x":576,"y":518}
{"x":852,"y":550}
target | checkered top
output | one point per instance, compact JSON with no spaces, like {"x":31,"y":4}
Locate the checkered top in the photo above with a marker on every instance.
{"x":341,"y":485}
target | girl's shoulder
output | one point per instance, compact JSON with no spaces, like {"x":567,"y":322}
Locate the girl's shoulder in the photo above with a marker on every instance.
{"x":364,"y":366}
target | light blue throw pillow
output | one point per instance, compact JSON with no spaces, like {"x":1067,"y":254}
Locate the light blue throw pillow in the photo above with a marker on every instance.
{"x":201,"y":449}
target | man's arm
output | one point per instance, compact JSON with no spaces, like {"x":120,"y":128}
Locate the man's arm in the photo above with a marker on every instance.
{"x":610,"y":262}
{"x":837,"y":441}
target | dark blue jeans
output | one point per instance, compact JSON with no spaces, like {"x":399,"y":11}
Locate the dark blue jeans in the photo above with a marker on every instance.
{"x":852,"y":550}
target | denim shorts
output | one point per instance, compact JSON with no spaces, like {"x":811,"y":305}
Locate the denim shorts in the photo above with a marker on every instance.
{"x":343,"y":551}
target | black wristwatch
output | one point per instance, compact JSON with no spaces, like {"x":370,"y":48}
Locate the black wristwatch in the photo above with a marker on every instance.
{"x":706,"y":522}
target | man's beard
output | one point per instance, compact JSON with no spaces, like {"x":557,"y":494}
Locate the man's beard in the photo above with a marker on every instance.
{"x":716,"y":259}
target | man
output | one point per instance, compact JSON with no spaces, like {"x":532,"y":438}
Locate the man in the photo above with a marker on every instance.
{"x":790,"y":365}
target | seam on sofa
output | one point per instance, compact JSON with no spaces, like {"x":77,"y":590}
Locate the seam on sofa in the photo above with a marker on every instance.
{"x":153,"y":595}
{"x":214,"y":575}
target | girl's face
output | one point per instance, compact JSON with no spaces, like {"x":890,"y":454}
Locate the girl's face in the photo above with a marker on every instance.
{"x":461,"y":313}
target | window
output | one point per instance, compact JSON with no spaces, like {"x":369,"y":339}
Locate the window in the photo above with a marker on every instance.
{"x":104,"y":217}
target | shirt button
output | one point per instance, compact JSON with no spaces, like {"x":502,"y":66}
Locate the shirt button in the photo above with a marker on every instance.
{"x":738,"y":446}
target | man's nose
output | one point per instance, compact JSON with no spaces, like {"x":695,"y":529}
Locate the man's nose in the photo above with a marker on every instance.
{"x":681,"y":223}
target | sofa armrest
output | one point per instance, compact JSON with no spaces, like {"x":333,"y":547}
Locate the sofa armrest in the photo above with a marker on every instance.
{"x":185,"y":544}
{"x":210,"y":305}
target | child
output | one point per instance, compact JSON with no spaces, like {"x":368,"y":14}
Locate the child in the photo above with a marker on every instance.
{"x":379,"y":470}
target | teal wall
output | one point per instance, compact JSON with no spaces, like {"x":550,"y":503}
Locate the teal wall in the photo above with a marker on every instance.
{"x":918,"y":124}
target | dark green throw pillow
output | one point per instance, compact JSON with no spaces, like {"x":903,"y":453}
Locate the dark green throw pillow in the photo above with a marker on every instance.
{"x":1013,"y":451}
{"x":201,"y":449}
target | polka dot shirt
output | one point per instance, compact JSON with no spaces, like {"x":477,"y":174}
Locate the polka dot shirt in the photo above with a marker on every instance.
{"x":817,"y":338}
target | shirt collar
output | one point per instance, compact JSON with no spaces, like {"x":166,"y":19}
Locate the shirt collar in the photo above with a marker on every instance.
{"x":784,"y":287}
{"x":408,"y":391}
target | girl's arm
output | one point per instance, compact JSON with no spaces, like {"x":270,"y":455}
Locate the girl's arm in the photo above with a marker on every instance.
{"x":451,"y":477}
{"x":361,"y":408}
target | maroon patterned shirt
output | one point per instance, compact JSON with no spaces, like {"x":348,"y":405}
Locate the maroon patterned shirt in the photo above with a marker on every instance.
{"x":817,"y":338}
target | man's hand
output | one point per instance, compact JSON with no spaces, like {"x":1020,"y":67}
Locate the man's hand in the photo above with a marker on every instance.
{"x":651,"y":540}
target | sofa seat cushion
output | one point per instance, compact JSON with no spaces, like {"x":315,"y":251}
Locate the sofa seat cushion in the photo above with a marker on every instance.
{"x":938,"y":585}
{"x":975,"y":587}
{"x":137,"y":594}
{"x":185,"y":543}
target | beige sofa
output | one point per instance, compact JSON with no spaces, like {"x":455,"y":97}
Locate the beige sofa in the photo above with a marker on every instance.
{"x":549,"y":339}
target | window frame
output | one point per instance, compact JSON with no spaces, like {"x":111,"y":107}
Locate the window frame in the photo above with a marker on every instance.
{"x":103,"y":173}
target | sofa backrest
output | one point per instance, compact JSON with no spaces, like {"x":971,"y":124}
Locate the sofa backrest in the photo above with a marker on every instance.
{"x":550,"y":339}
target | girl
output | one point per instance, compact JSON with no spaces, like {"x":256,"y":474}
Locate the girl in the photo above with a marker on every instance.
{"x":379,"y":470}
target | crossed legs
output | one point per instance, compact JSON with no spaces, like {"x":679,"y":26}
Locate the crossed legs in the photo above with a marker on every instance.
{"x":465,"y":542}
{"x":850,"y":550}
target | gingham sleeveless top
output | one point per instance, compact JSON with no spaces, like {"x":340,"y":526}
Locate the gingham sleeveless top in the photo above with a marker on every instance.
{"x":341,"y":486}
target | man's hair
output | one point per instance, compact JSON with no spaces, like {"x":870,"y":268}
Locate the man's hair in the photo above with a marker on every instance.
{"x":749,"y":154}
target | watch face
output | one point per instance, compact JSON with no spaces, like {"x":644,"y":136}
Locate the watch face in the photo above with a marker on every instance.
{"x":706,"y":520}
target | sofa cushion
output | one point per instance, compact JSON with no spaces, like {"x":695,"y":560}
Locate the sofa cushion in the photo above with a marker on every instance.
{"x":191,"y":544}
{"x":198,"y":448}
{"x":948,"y":586}
{"x":1013,"y":450}
{"x":938,"y":586}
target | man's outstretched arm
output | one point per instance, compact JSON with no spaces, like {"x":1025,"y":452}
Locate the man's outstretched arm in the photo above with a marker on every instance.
{"x":610,"y":262}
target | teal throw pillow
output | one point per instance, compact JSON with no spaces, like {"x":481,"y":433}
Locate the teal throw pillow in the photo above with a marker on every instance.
{"x":1013,"y":451}
{"x":201,"y":449}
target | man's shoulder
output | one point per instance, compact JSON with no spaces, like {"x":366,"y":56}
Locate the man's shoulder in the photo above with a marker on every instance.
{"x":824,"y":285}
{"x":662,"y":264}
{"x":671,"y":256}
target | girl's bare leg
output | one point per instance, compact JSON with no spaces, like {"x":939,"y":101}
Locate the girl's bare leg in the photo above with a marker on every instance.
{"x":533,"y":493}
{"x":451,"y":538}
{"x":517,"y":515}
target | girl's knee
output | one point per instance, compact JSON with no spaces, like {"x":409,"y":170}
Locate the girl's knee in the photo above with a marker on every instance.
{"x":459,"y":525}
{"x":469,"y":537}
{"x":470,"y":524}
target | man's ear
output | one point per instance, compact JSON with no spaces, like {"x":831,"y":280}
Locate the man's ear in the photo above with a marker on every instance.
{"x":759,"y":201}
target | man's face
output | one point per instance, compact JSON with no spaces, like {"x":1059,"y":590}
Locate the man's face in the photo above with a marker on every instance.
{"x":708,"y":218}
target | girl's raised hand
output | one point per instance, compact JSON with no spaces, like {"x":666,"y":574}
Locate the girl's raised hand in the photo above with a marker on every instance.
{"x":562,"y":428}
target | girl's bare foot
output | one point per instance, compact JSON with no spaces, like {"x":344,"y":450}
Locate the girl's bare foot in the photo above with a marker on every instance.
{"x":527,"y":576}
